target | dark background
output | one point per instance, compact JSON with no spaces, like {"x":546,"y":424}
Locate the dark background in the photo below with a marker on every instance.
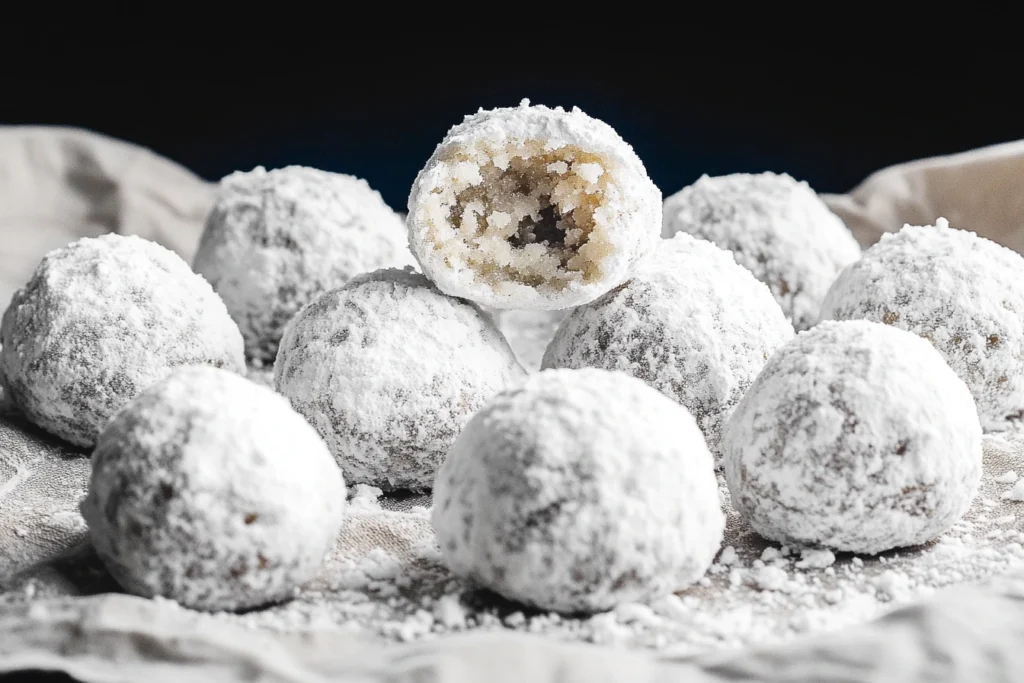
{"x":376,"y":110}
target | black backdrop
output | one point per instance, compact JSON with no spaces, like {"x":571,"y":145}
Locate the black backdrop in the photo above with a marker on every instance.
{"x":376,"y":110}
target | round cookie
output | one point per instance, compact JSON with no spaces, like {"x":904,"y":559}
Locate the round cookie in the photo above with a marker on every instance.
{"x":577,"y":491}
{"x":211,"y":491}
{"x":388,"y":369}
{"x":532,"y":208}
{"x":856,"y":437}
{"x":100,"y":320}
{"x":778,"y":229}
{"x":276,"y":239}
{"x":961,"y":292}
{"x":691,"y":323}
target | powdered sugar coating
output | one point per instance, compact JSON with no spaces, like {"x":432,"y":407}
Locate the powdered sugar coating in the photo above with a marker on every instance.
{"x":577,"y":491}
{"x":276,"y":239}
{"x":388,"y":370}
{"x":532,"y":208}
{"x":691,"y":323}
{"x":211,"y":491}
{"x":778,"y":229}
{"x":856,"y":437}
{"x":961,"y":292}
{"x":102,"y":319}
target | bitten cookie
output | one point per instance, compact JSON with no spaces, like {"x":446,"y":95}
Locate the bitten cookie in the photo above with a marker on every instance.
{"x":532,"y":208}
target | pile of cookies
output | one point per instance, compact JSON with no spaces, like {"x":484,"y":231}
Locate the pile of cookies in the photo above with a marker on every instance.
{"x":736,"y":326}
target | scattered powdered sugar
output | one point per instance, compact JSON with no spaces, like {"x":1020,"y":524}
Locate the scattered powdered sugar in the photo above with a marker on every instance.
{"x":857,"y":437}
{"x":778,"y":228}
{"x":365,"y":498}
{"x":212,"y":491}
{"x":276,"y":239}
{"x":42,"y":481}
{"x":691,"y":323}
{"x":577,"y":491}
{"x":892,"y":586}
{"x":1007,"y":478}
{"x":100,"y":320}
{"x":386,"y":579}
{"x":815,"y":558}
{"x":770,"y":578}
{"x":961,"y":292}
{"x":1016,"y":493}
{"x":532,"y":208}
{"x":449,"y":612}
{"x":399,"y":590}
{"x":388,"y":370}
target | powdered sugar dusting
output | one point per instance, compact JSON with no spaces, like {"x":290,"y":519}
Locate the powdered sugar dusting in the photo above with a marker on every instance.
{"x":579,"y":490}
{"x":1007,"y":477}
{"x":100,"y":320}
{"x":388,"y":370}
{"x":276,"y":239}
{"x":691,"y":323}
{"x":857,"y":437}
{"x":212,"y":491}
{"x":815,"y":558}
{"x":385,"y":579}
{"x":1016,"y":493}
{"x":961,"y":292}
{"x":778,"y":228}
{"x":365,"y":498}
{"x":532,"y":208}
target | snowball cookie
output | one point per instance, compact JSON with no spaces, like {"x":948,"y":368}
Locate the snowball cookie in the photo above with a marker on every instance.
{"x":532,"y":208}
{"x":577,"y":491}
{"x":100,"y":320}
{"x":276,"y":239}
{"x":779,"y":230}
{"x":961,"y":292}
{"x":388,"y":370}
{"x":691,"y":323}
{"x":856,"y":437}
{"x":209,"y":490}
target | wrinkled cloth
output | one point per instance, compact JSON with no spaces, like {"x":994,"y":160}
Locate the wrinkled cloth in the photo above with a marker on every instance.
{"x":981,"y":190}
{"x":966,"y":634}
{"x":57,"y":184}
